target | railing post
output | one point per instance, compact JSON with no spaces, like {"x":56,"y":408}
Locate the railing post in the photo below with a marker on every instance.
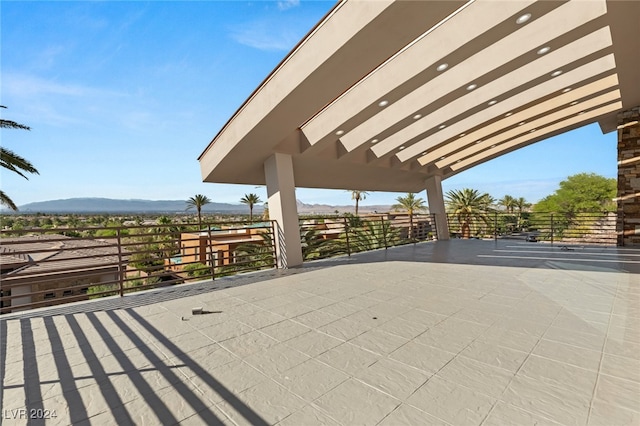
{"x":346,"y":233}
{"x":273,"y":243}
{"x":120,"y":265}
{"x":552,"y":228}
{"x":495,"y":226}
{"x":210,"y":250}
{"x":384,"y":234}
{"x":433,"y":226}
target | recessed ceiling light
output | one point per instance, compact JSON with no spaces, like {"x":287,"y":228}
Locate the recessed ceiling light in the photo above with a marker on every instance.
{"x":442,"y":67}
{"x":568,"y":89}
{"x":442,"y":126}
{"x":383,"y":103}
{"x":556,"y":73}
{"x":472,"y":86}
{"x":458,"y":161}
{"x":477,"y":142}
{"x":401,"y":148}
{"x":415,"y":117}
{"x":521,"y":123}
{"x":374,"y":141}
{"x":532,"y":130}
{"x":493,"y":146}
{"x":493,"y":102}
{"x":508,"y":114}
{"x":462,"y":135}
{"x":340,"y":132}
{"x":443,"y":157}
{"x":581,"y":112}
{"x":523,"y":18}
{"x":424,"y":153}
{"x":574,"y":103}
{"x":544,"y":50}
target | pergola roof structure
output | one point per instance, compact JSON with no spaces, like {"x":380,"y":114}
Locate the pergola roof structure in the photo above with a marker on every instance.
{"x":383,"y":95}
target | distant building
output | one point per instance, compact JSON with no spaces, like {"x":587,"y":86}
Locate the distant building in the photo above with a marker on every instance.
{"x":219,"y":245}
{"x":48,"y":270}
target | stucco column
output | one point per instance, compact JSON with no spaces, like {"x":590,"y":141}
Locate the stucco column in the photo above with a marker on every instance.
{"x":628,"y":225}
{"x":435,"y":198}
{"x":281,"y":190}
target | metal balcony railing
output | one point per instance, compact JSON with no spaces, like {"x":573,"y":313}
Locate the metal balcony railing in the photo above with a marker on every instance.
{"x":50,"y":266}
{"x":328,"y":236}
{"x":576,"y":228}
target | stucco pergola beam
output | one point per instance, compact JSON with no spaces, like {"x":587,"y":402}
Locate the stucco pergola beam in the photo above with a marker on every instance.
{"x":475,"y":68}
{"x":524,"y":140}
{"x":572,"y":80}
{"x":360,"y":102}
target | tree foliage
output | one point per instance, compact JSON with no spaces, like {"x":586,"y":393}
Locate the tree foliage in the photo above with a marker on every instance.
{"x":13,"y":162}
{"x":250,"y":200}
{"x":468,"y":206}
{"x":198,"y":201}
{"x":412,"y":205}
{"x":580,"y":193}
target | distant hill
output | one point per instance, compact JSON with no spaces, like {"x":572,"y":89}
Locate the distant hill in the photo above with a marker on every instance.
{"x":109,"y":205}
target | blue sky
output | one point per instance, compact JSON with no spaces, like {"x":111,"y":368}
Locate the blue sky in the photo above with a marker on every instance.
{"x":122,"y":97}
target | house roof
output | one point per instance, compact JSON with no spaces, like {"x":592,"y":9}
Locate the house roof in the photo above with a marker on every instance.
{"x":49,"y":254}
{"x":383,"y":95}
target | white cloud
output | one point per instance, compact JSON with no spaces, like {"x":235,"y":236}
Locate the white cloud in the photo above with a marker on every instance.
{"x":288,"y":4}
{"x":266,"y":35}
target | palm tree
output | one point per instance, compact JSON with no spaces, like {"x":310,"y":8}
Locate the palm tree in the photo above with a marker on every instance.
{"x":358,"y":196}
{"x":411,"y":204}
{"x":467,"y":205}
{"x":11,"y":161}
{"x":250,"y":200}
{"x":198,"y":201}
{"x":508,"y":202}
{"x":520,"y":204}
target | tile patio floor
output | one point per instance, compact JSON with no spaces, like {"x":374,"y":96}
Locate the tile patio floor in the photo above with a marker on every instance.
{"x":446,"y":333}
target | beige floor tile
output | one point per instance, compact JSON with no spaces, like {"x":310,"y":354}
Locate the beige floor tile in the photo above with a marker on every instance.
{"x":505,"y":414}
{"x":348,"y":358}
{"x":406,"y":415}
{"x":378,"y":341}
{"x":311,"y":379}
{"x":276,"y":359}
{"x":313,"y":343}
{"x":509,"y":339}
{"x":423,"y":357}
{"x":590,"y":341}
{"x":267,"y":401}
{"x":478,"y":376}
{"x":603,"y":414}
{"x":227,"y":330}
{"x":560,"y":374}
{"x":451,"y":402}
{"x":353,"y":402}
{"x":345,"y":328}
{"x":315,"y":319}
{"x":308,"y":415}
{"x":621,"y":367}
{"x":248,"y":343}
{"x":403,"y":328}
{"x":285,"y":330}
{"x":557,"y":404}
{"x":494,"y":355}
{"x":574,"y":355}
{"x":392,"y":377}
{"x":625,"y":349}
{"x":618,"y":392}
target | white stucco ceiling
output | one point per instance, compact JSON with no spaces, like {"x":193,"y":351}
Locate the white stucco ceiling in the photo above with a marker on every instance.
{"x":361,"y":104}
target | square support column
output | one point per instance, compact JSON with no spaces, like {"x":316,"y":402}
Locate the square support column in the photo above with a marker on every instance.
{"x":628,"y":224}
{"x":281,"y":191}
{"x":435,"y":199}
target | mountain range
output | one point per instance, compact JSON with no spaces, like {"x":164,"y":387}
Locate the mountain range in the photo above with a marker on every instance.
{"x":109,"y":205}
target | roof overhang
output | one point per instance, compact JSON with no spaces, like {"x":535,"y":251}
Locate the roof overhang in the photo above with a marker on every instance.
{"x":365,"y":101}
